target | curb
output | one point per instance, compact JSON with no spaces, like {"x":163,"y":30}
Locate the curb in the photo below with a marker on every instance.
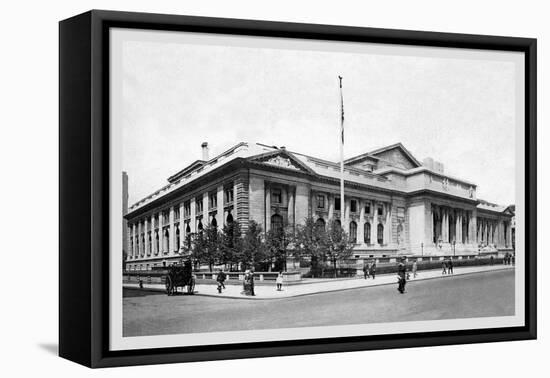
{"x":324,"y":291}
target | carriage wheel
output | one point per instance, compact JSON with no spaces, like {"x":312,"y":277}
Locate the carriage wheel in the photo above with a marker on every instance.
{"x":169,"y":287}
{"x":191,"y":287}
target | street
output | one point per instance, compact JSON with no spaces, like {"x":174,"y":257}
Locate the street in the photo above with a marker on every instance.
{"x":474,"y":295}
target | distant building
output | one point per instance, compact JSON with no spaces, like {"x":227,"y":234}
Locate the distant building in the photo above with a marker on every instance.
{"x":394,"y":204}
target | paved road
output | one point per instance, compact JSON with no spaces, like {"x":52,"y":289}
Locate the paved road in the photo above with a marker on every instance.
{"x":474,"y":295}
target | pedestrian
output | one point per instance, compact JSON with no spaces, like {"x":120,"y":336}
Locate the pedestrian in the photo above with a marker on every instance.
{"x":246,"y":283}
{"x":373,"y":270}
{"x":279,"y":281}
{"x":492,"y":259}
{"x":414,"y":268}
{"x":444,"y":266}
{"x":221,"y":280}
{"x":366,"y":269}
{"x":252,"y":283}
{"x":450,"y":266}
{"x":402,"y":276}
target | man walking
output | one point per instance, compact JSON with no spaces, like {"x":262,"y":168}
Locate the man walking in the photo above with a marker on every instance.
{"x":366,"y":269}
{"x":373,"y":270}
{"x":444,"y":266}
{"x":402,"y":273}
{"x":221,"y":281}
{"x":450,"y":266}
{"x":414,"y":268}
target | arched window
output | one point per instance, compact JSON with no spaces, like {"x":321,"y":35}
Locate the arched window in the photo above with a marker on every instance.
{"x":188,"y":235}
{"x":366,"y":235}
{"x":149,"y":243}
{"x":229,"y":218}
{"x":320,"y":224}
{"x":277,"y":224}
{"x":165,"y":244}
{"x":177,"y":238}
{"x":142,"y":245}
{"x":353,"y":232}
{"x":214,"y":222}
{"x":380,"y":233}
{"x":337,"y":223}
{"x":200,"y":227}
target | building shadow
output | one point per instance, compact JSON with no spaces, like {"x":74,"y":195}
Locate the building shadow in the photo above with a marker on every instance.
{"x":52,"y":348}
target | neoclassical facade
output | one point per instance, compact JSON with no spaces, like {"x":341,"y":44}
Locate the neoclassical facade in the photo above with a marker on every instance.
{"x":393,"y":204}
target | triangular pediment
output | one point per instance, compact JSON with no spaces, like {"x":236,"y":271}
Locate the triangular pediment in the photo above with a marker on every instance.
{"x":281,"y":159}
{"x":395,"y":155}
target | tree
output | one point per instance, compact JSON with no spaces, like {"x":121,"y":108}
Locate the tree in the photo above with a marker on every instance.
{"x":206,"y":246}
{"x":253,"y":247}
{"x":339,"y":245}
{"x":311,"y":242}
{"x":277,"y":242}
{"x":230,"y":244}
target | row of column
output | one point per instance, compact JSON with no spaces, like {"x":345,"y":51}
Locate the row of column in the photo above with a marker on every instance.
{"x":496,"y":232}
{"x":167,"y":234}
{"x":450,"y":225}
{"x":373,"y":219}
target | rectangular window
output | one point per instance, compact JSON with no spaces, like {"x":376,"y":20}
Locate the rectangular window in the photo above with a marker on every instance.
{"x":199,"y":205}
{"x":320,"y":201}
{"x":187,"y":209}
{"x":337,"y":204}
{"x":380,"y":210}
{"x":212,"y":201}
{"x":176,"y":213}
{"x":367,"y":209}
{"x":353,"y":206}
{"x":228,"y":195}
{"x":276,"y":196}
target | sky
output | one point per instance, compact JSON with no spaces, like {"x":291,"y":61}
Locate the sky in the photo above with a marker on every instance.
{"x":179,"y":90}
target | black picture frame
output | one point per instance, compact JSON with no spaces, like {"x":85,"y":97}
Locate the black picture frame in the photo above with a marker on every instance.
{"x":84,"y":187}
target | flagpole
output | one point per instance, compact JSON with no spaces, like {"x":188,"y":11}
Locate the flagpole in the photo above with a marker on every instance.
{"x":342,"y":202}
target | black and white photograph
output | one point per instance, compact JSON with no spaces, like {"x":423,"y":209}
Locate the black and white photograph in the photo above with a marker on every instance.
{"x":269,"y":189}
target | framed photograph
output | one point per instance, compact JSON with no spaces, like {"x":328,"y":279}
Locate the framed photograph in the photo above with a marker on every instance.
{"x":236,"y":189}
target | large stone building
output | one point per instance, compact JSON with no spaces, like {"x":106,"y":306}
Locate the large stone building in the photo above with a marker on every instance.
{"x":394,"y":204}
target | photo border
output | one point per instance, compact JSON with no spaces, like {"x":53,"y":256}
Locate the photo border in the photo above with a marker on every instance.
{"x":84,"y":187}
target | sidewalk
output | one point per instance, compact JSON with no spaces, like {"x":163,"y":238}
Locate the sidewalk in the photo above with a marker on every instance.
{"x":308,"y":288}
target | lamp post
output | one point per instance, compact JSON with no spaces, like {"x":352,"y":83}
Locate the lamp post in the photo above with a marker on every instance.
{"x":422,"y":249}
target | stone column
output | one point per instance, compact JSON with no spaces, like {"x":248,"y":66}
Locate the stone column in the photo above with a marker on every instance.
{"x":458,"y":232}
{"x":472,"y":237}
{"x":146,"y":225}
{"x":388,"y":224}
{"x":345,"y":214}
{"x":139,"y":243}
{"x":445,"y":226}
{"x":330,"y":199}
{"x":154,"y":231}
{"x":134,"y":244}
{"x":205,"y":210}
{"x":219,"y":216}
{"x":267,"y":189}
{"x":193,"y":215}
{"x":291,"y":219}
{"x":171,"y":239}
{"x":361,"y":223}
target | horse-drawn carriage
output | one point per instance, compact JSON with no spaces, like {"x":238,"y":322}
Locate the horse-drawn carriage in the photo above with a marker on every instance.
{"x":180,"y":275}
